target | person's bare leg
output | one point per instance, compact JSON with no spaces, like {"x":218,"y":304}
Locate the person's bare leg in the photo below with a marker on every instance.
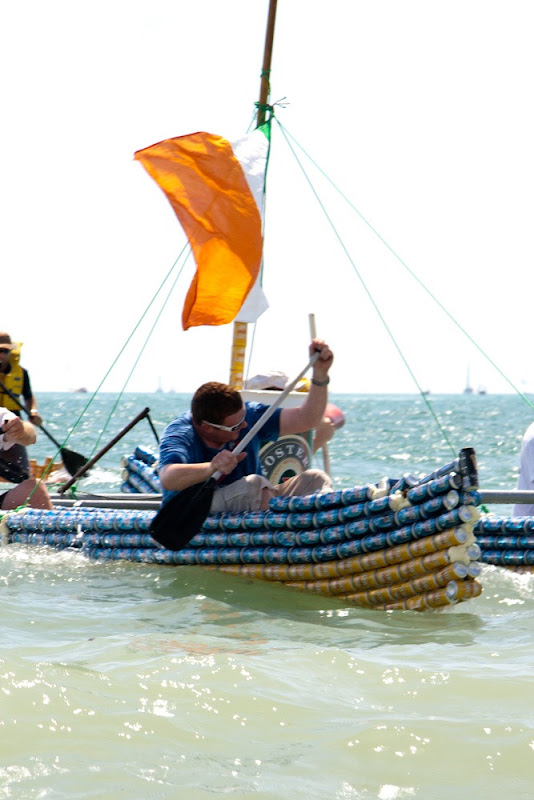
{"x":19,"y":495}
{"x":266,"y":494}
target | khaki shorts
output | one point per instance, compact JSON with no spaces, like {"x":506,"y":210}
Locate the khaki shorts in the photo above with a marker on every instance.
{"x":246,"y":493}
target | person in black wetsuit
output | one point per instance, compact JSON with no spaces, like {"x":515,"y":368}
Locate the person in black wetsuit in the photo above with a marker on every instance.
{"x":16,"y":391}
{"x":13,"y":432}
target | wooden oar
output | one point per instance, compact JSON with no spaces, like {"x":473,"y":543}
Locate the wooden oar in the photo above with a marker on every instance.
{"x":325,"y":448}
{"x":73,"y":461}
{"x":92,"y":461}
{"x":182,"y":517}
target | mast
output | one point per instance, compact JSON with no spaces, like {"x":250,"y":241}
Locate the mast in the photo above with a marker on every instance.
{"x":239,"y":341}
{"x":265,"y":84}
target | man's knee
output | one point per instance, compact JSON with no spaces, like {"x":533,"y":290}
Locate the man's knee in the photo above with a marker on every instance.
{"x":311,"y":481}
{"x":319,"y":479}
{"x":260,"y":492}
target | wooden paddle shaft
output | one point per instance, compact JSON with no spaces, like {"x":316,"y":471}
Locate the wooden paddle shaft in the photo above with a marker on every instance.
{"x":270,"y":411}
{"x":104,"y":450}
{"x":325,"y":448}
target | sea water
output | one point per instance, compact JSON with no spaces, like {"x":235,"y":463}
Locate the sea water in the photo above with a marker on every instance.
{"x":127,"y":680}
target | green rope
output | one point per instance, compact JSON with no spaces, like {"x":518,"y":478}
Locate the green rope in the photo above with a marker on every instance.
{"x":268,"y":121}
{"x":369,"y":295}
{"x":147,"y":339}
{"x":129,"y":338}
{"x":116,"y":359}
{"x":267,"y":107}
{"x":411,"y":272}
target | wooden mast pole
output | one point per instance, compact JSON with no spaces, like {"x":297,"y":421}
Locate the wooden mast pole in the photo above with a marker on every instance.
{"x":265,"y":85}
{"x":239,"y":341}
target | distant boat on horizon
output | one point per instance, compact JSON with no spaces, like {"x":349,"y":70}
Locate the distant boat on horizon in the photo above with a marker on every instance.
{"x":80,"y":390}
{"x":468,"y":388}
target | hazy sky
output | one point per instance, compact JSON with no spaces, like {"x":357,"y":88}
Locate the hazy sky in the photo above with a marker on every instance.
{"x":421,"y":112}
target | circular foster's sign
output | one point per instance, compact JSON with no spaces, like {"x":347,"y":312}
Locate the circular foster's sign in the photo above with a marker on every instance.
{"x":285,"y":458}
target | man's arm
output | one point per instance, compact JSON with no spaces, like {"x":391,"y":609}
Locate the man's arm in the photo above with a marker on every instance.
{"x":310,"y":414}
{"x":30,"y":403}
{"x":176,"y":477}
{"x":35,"y":417}
{"x":323,"y":433}
{"x":17,"y":431}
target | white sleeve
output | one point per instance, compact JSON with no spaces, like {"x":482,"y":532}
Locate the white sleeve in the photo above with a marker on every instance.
{"x":528,"y":463}
{"x":4,"y":416}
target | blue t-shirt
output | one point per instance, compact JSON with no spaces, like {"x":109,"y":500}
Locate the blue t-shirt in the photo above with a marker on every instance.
{"x":181,"y":444}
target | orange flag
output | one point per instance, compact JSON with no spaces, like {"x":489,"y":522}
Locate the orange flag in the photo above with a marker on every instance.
{"x":216,"y":190}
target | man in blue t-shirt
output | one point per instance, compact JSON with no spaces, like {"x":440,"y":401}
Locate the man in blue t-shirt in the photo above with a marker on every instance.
{"x":200,"y":442}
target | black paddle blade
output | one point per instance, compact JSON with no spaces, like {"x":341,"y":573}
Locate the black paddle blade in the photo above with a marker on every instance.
{"x":177,"y":521}
{"x":72,"y":461}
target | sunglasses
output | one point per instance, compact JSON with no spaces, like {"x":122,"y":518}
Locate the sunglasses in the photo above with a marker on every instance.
{"x":4,"y":350}
{"x":229,"y":428}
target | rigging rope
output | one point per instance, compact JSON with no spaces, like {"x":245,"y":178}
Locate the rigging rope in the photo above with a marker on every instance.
{"x":366,"y":289}
{"x":185,"y":250}
{"x":460,"y":327}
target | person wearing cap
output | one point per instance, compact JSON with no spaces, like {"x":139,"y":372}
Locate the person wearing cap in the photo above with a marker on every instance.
{"x":15,"y":380}
{"x":16,"y":432}
{"x":16,"y":391}
{"x":200,"y":442}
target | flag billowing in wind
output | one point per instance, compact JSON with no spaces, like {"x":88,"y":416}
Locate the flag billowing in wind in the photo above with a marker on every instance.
{"x":216,"y":190}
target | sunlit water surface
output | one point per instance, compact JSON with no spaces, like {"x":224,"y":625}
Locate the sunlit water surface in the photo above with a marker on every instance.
{"x":162,"y":682}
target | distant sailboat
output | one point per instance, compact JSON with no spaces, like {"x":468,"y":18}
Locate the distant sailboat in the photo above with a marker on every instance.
{"x":468,"y":388}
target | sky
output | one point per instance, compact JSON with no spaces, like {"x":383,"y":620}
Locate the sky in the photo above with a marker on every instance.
{"x":419,"y":112}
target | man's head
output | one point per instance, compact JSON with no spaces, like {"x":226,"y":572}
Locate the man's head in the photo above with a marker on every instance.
{"x":218,"y":412}
{"x":214,"y":402}
{"x":6,"y":346}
